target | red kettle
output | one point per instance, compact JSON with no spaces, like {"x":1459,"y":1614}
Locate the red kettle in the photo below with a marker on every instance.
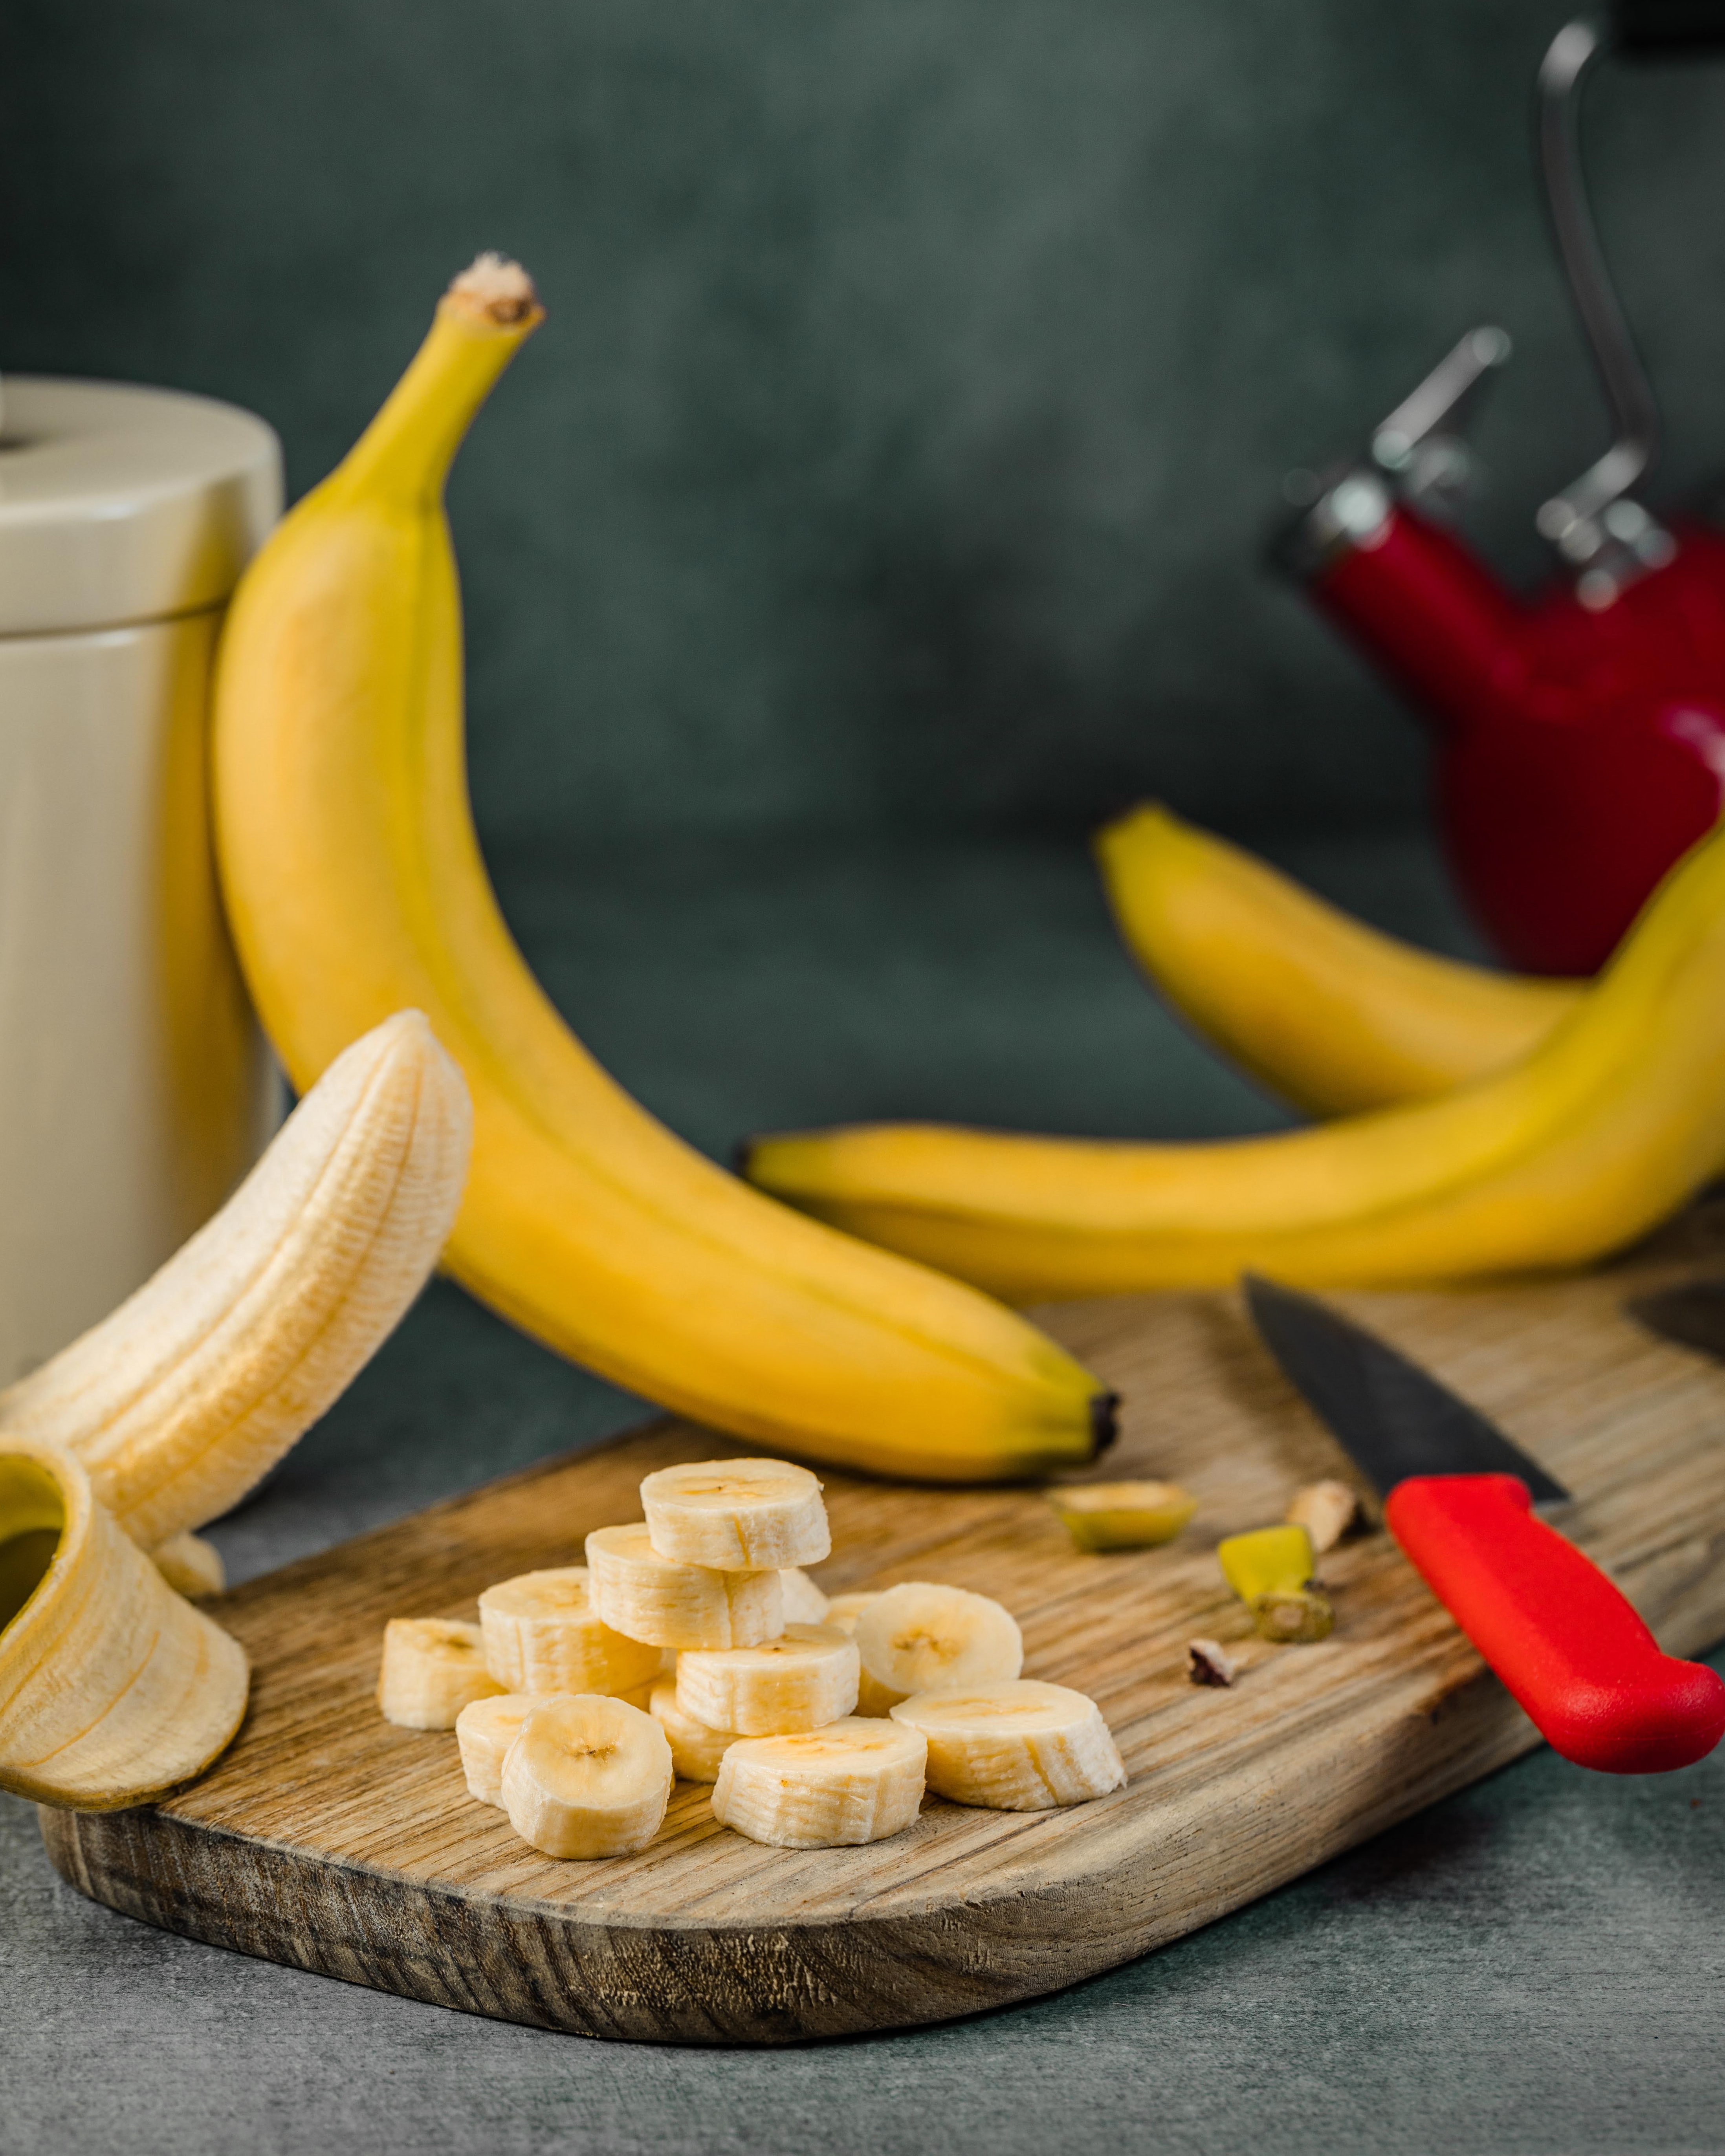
{"x":1582,"y":732}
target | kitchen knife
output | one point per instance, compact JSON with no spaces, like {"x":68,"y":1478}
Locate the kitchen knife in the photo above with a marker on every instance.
{"x":1458,"y":1496}
{"x":1692,"y":1315}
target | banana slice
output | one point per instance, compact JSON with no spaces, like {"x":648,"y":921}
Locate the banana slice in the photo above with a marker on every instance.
{"x":695,"y":1749}
{"x":803,"y":1602}
{"x":648,"y":1597}
{"x":112,"y":1688}
{"x":843,"y":1609}
{"x":917,"y":1637}
{"x":191,"y":1566}
{"x":433,"y":1667}
{"x":485,"y":1730}
{"x":740,"y":1515}
{"x":852,"y":1782}
{"x":801,"y":1680}
{"x":586,"y":1777}
{"x":1022,"y":1747}
{"x":1112,"y":1516}
{"x":542,"y":1634}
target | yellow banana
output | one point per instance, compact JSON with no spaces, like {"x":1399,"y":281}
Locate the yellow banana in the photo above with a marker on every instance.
{"x":354,"y":886}
{"x":1586,"y":1143}
{"x":1327,"y":1013}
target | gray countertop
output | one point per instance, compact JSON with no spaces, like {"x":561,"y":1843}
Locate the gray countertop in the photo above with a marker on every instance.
{"x":1538,"y":1964}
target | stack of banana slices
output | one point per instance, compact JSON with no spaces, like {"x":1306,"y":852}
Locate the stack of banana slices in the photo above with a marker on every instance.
{"x":692,"y":1642}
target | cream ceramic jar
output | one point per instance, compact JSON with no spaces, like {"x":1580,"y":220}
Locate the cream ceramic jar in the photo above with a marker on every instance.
{"x":135,"y":1086}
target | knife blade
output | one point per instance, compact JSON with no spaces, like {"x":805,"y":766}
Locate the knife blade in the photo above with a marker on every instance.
{"x":1692,"y":1315}
{"x":1458,"y":1498}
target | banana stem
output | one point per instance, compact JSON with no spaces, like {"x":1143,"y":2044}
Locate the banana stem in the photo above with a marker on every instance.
{"x":405,"y":455}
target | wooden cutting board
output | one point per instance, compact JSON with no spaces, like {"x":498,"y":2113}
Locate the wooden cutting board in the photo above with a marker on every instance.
{"x":329,"y":1840}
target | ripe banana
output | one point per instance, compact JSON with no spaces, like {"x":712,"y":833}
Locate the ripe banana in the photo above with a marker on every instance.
{"x":917,"y":1637}
{"x":1021,"y":1746}
{"x":1587,"y":1143}
{"x":854,"y":1781}
{"x":695,"y":1750}
{"x":803,"y":1679}
{"x":433,"y":1667}
{"x":803,"y":1602}
{"x":485,"y":1730}
{"x":1329,"y":1013}
{"x":542,"y":1634}
{"x":586,"y":1777}
{"x":354,"y":886}
{"x":192,"y":1388}
{"x":639,"y":1593}
{"x":112,"y":1688}
{"x":736,"y":1514}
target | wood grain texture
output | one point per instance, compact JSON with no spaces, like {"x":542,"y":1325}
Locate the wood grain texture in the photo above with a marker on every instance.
{"x":327,"y":1840}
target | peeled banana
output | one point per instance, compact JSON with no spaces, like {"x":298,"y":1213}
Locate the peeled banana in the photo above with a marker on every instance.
{"x":1583,"y":1145}
{"x":113,"y":1689}
{"x":433,"y":1667}
{"x":1330,"y":1013}
{"x":853,"y":1782}
{"x":636,"y":1591}
{"x":191,"y":1566}
{"x":485,"y":1730}
{"x":917,"y":1637}
{"x":1021,"y":1746}
{"x":737,"y":1513}
{"x":192,"y":1388}
{"x":806,"y":1678}
{"x":803,"y":1602}
{"x":695,"y":1750}
{"x":586,"y":1777}
{"x":541,"y":1633}
{"x":355,"y":887}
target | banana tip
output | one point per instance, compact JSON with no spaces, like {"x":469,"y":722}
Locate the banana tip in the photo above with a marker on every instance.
{"x":1104,"y":1421}
{"x":493,"y":289}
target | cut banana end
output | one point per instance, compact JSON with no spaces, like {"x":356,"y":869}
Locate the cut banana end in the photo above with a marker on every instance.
{"x":1117,"y":1516}
{"x":191,"y":1566}
{"x":652,"y":1598}
{"x":113,"y":1689}
{"x":803,"y":1602}
{"x":1022,"y":1747}
{"x":542,"y":1634}
{"x":485,"y":1730}
{"x":695,"y":1750}
{"x":586,"y":1777}
{"x":738,"y":1514}
{"x":432,"y":1668}
{"x":917,"y":1637}
{"x":196,"y":1386}
{"x":801,"y":1680}
{"x":854,"y":1781}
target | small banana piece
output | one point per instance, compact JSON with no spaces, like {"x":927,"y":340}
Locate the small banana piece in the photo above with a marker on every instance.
{"x":1270,"y":1569}
{"x":852,"y":1782}
{"x":1326,"y":1509}
{"x":801,"y":1680}
{"x":355,"y":885}
{"x":803,"y":1602}
{"x":191,"y":1566}
{"x":196,"y":1386}
{"x":586,"y":1777}
{"x":1022,"y":1747}
{"x":1331,"y":1015}
{"x":542,"y":1634}
{"x":1115,"y":1516}
{"x":432,"y":1668}
{"x":843,"y":1609}
{"x":637,"y":1592}
{"x":695,"y":1749}
{"x":485,"y":1730}
{"x":736,"y":1514}
{"x":917,"y":1637}
{"x":1608,"y":1125}
{"x":113,"y":1689}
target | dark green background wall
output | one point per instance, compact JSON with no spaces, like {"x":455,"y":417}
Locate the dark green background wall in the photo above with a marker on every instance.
{"x":920,"y":373}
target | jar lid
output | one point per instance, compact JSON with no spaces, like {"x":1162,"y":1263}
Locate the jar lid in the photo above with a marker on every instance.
{"x":119,"y":503}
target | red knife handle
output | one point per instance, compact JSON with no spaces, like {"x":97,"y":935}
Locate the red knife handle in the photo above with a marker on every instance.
{"x":1568,"y":1645}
